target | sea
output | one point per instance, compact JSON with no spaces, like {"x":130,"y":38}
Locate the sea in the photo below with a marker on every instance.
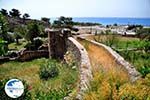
{"x":111,"y":21}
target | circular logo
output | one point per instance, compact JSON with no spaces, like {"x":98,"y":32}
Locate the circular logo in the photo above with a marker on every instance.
{"x":14,"y":88}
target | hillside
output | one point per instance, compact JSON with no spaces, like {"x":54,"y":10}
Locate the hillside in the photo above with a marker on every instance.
{"x":15,"y":21}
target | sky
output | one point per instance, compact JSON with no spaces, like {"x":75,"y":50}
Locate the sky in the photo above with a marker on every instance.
{"x":80,"y":8}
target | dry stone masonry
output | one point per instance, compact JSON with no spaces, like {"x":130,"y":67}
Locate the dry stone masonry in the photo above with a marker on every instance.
{"x":132,"y":72}
{"x":82,"y":58}
{"x":59,"y":43}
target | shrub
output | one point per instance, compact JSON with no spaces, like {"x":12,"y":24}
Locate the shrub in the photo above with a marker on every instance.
{"x":139,"y":59}
{"x":143,"y":33}
{"x":33,"y":31}
{"x":144,"y":70}
{"x":37,"y":43}
{"x":30,"y":46}
{"x":3,"y":96}
{"x":68,"y":81}
{"x":51,"y":95}
{"x":145,"y":45}
{"x":109,"y":39}
{"x":137,"y":91}
{"x":116,"y":86}
{"x":49,"y":70}
{"x":3,"y":47}
{"x":105,"y":86}
{"x":34,"y":45}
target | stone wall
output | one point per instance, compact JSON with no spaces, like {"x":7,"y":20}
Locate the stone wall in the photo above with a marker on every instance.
{"x":4,"y":59}
{"x":82,"y":58}
{"x":57,"y":43}
{"x":132,"y":72}
{"x":29,"y":55}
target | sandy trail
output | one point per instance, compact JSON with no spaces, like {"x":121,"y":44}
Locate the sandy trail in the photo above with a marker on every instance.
{"x":101,"y":58}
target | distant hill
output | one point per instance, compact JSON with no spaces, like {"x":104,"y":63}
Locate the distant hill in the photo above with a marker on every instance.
{"x":15,"y":21}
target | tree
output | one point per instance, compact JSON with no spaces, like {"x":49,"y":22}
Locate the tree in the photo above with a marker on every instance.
{"x":108,"y":26}
{"x":45,"y":19}
{"x":3,"y":27}
{"x":17,"y":36}
{"x":15,"y":13}
{"x":56,"y":24}
{"x":4,"y":12}
{"x":33,"y":31}
{"x":19,"y":32}
{"x":3,"y":47}
{"x":115,"y":24}
{"x":63,"y":22}
{"x":134,"y":27}
{"x":25,"y":16}
{"x":22,"y":30}
{"x":4,"y":30}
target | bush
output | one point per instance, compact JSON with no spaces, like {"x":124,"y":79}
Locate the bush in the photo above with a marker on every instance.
{"x":34,"y":45}
{"x":109,"y":39}
{"x":144,"y":71}
{"x":116,"y":86}
{"x":139,"y":59}
{"x":30,"y":46}
{"x":105,"y":85}
{"x":37,"y":43}
{"x":3,"y":47}
{"x":145,"y":45}
{"x":49,"y":70}
{"x":33,"y":31}
{"x":137,"y":91}
{"x":51,"y":95}
{"x":3,"y":96}
{"x":143,"y":33}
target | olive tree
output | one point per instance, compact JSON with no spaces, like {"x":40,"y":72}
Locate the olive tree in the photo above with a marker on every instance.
{"x":14,"y":13}
{"x":4,"y":29}
{"x":33,"y":31}
{"x":4,"y":12}
{"x":26,"y":16}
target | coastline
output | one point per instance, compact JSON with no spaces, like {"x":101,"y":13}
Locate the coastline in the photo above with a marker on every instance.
{"x":114,"y":20}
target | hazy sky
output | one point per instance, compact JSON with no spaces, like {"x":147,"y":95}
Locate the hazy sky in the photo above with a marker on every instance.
{"x":80,"y":8}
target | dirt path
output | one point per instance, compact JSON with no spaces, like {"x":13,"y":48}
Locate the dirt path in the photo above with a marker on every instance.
{"x":101,"y":59}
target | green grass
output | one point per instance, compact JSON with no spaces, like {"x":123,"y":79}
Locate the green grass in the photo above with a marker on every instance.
{"x":29,"y":71}
{"x":124,"y":46}
{"x":120,"y":42}
{"x":21,"y":44}
{"x":17,"y":46}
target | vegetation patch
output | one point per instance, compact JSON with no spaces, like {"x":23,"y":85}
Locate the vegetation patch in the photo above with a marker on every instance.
{"x":56,"y":87}
{"x":114,"y":86}
{"x":49,"y":70}
{"x":134,"y":50}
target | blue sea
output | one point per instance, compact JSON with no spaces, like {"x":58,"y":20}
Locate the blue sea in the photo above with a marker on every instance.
{"x":111,"y":21}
